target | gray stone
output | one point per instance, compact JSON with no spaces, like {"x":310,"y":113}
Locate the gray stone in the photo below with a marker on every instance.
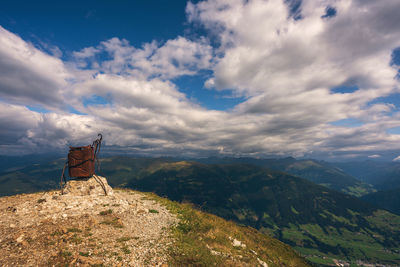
{"x":93,"y":186}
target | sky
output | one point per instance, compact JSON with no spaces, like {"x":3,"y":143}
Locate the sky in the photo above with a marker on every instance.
{"x":229,"y":78}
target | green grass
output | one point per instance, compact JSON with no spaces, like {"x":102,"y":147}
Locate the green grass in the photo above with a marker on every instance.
{"x":126,"y":250}
{"x":113,"y":222}
{"x":76,"y":239}
{"x":361,"y":245}
{"x":66,"y":253}
{"x":294,"y":210}
{"x":320,"y":260}
{"x":153,"y":211}
{"x":106,"y":212}
{"x":198,"y":233}
{"x":359,"y":190}
{"x":340,"y":218}
{"x":74,"y":230}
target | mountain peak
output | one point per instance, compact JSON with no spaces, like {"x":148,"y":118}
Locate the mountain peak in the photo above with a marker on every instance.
{"x":93,"y":186}
{"x":83,"y":226}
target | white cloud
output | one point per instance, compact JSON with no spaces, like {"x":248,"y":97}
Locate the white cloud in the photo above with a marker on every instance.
{"x":15,"y":122}
{"x":28,"y":75}
{"x":266,"y":51}
{"x":174,"y":58}
{"x":375,"y":156}
{"x":286,"y":68}
{"x":396,"y":158}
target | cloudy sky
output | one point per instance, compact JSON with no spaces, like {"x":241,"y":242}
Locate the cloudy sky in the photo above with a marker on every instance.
{"x":260,"y":78}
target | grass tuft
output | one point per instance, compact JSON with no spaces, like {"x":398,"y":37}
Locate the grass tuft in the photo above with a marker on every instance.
{"x":74,"y":230}
{"x":153,"y":211}
{"x":66,"y":253}
{"x":113,"y":222}
{"x":105,"y":212}
{"x":124,"y":239}
{"x":126,"y":250}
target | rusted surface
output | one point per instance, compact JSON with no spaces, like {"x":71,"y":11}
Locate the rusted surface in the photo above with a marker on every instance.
{"x":81,"y":162}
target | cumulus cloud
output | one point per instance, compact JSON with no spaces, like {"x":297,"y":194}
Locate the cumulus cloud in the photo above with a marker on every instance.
{"x":174,"y":58}
{"x":16,"y":121}
{"x":267,"y":51}
{"x":288,"y":64}
{"x":288,"y":67}
{"x":27,"y":131}
{"x":28,"y":75}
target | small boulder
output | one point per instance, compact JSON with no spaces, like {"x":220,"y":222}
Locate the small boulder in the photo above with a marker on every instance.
{"x":20,"y":238}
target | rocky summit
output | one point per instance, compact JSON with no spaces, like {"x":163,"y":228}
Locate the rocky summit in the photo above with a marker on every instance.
{"x":88,"y":224}
{"x":93,"y":186}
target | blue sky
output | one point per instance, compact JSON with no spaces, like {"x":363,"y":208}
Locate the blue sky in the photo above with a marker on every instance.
{"x":73,"y":25}
{"x":200,"y":78}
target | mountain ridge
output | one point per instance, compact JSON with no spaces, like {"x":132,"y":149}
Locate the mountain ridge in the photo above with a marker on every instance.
{"x":319,"y":172}
{"x":281,"y":205}
{"x":388,"y":200}
{"x":327,"y":227}
{"x":381,"y":174}
{"x":125,"y":227}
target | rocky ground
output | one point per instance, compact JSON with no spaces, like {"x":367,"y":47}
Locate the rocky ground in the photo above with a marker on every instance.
{"x":84,"y":227}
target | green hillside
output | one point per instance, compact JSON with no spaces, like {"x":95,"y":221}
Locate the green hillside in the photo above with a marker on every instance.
{"x":381,"y":174}
{"x":30,"y":178}
{"x":204,"y":239}
{"x":389,"y":200}
{"x":331,"y":177}
{"x":320,"y":223}
{"x":318,"y":172}
{"x":311,"y":218}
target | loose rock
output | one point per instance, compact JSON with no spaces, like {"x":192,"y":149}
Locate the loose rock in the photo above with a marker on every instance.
{"x":84,"y":226}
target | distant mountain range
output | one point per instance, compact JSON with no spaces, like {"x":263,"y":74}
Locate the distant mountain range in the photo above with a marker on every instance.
{"x":319,"y":172}
{"x":311,"y":218}
{"x":382,"y":175}
{"x":389,"y":200}
{"x":314,"y":219}
{"x":36,"y":175}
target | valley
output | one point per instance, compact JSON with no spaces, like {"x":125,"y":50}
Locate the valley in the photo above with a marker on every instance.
{"x":320,"y":223}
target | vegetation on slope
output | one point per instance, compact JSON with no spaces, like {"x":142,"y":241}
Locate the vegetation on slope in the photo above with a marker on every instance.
{"x":312,"y":218}
{"x":382,"y":175}
{"x":204,"y":239}
{"x":318,"y":172}
{"x":388,"y":200}
{"x":30,"y":178}
{"x":118,"y":231}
